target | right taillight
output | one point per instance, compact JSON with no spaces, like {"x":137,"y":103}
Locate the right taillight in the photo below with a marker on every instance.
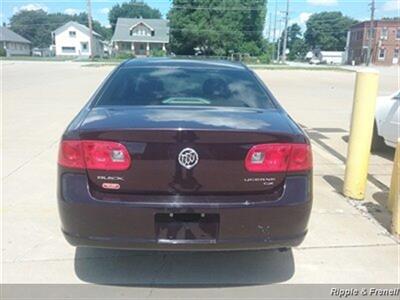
{"x":94,"y":155}
{"x":300,"y":158}
{"x":273,"y":158}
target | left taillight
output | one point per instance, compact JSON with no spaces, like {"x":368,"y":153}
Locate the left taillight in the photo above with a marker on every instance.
{"x":94,"y":155}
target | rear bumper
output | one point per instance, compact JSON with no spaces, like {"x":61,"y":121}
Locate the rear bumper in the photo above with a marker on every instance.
{"x":220,"y":245}
{"x":243,"y":225}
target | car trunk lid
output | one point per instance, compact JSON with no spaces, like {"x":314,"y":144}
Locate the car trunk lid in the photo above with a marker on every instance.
{"x":156,"y":136}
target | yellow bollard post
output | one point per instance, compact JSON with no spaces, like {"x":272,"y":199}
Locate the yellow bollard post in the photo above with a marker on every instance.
{"x":362,"y":123}
{"x":394,"y":192}
{"x":394,"y":184}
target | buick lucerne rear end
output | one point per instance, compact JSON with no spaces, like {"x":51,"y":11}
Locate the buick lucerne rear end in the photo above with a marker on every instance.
{"x":184,"y":155}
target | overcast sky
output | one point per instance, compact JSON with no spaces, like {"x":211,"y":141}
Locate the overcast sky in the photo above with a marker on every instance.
{"x":300,"y":10}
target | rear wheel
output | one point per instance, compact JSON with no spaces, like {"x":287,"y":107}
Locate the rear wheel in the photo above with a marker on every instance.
{"x":377,"y":141}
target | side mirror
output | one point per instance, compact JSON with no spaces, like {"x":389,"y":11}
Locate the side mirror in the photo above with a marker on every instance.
{"x":396,"y":97}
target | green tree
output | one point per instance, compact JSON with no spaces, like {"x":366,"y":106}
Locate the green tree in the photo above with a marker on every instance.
{"x":294,"y":33}
{"x":252,"y":21}
{"x":217,"y":27}
{"x":37,"y":25}
{"x":328,"y":30}
{"x":298,"y":50}
{"x":34,"y":26}
{"x":132,"y":9}
{"x":295,"y":43}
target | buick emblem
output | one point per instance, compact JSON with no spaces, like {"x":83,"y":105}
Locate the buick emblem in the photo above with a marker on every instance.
{"x":188,"y":158}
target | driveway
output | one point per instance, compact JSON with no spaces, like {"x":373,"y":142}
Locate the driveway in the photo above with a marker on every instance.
{"x":347,"y":242}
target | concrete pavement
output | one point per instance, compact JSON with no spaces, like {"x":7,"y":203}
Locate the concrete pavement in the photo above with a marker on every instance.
{"x":348,"y":241}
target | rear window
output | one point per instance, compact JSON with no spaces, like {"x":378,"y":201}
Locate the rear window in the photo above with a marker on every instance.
{"x":184,"y":86}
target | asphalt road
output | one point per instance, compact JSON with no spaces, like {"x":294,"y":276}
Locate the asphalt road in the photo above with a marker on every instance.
{"x":347,"y":241}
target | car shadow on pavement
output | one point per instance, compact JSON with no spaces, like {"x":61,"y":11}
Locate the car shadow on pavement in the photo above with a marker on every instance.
{"x":382,"y":213}
{"x":377,"y":210}
{"x":183,"y":269}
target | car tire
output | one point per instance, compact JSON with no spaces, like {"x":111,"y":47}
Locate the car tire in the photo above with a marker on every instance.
{"x":377,"y":141}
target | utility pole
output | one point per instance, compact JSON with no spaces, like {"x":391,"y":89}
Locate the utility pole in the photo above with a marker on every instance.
{"x":278,"y":46}
{"x":89,"y":13}
{"x":371,"y":32}
{"x":285,"y":33}
{"x":278,"y":57}
{"x":269,"y":28}
{"x":266,"y":16}
{"x":274,"y":33}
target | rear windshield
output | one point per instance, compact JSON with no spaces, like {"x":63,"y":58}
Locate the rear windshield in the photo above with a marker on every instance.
{"x":184,"y":86}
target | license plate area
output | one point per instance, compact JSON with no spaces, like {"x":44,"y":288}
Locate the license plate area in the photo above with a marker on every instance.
{"x":187,"y":227}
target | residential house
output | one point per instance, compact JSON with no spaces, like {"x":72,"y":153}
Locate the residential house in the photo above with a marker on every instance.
{"x":140,"y":36}
{"x":73,"y":39}
{"x":13,"y":43}
{"x":385,"y":43}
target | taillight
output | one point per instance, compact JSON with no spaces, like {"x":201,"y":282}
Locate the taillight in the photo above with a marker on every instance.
{"x":272,"y":158}
{"x":94,"y":155}
{"x":300,"y":158}
{"x":70,"y":155}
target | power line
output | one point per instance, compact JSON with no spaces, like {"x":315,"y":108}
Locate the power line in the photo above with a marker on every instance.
{"x":156,"y":27}
{"x":195,"y":7}
{"x":215,"y":8}
{"x":228,"y":30}
{"x":328,"y":31}
{"x":141,"y":3}
{"x":121,"y":25}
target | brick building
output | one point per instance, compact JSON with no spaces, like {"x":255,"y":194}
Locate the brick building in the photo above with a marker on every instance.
{"x":385,"y":43}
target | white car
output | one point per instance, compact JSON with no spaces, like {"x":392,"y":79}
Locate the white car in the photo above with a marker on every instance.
{"x":315,"y":61}
{"x":387,"y":121}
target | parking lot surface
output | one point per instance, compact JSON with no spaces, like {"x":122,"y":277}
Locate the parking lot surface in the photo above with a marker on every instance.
{"x":348,"y":242}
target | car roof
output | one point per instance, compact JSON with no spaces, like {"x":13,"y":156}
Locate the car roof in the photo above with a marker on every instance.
{"x":182,"y":63}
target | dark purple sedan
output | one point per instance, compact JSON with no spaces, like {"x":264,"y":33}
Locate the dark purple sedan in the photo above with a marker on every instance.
{"x":184,"y":155}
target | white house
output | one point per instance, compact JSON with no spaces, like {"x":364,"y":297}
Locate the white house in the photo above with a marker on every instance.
{"x":140,"y":36}
{"x":73,"y":39}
